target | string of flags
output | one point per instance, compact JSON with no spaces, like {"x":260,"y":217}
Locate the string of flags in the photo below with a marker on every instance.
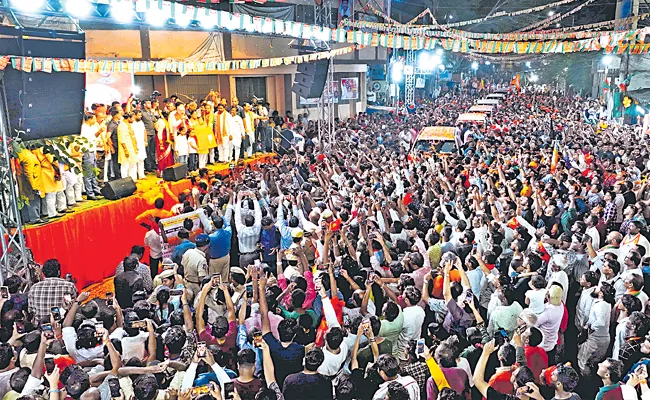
{"x":609,"y":41}
{"x":555,"y":18}
{"x":49,"y":65}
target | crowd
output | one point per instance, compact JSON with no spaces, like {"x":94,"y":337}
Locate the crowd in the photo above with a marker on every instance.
{"x":513,"y":268}
{"x":146,"y":136}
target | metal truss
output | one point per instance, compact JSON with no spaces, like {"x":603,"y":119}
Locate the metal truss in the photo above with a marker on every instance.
{"x":409,"y":79}
{"x":323,"y":17}
{"x":13,"y":254}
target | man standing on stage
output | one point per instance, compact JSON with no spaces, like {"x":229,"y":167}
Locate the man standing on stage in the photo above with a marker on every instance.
{"x":111,"y":144}
{"x":222,"y":133}
{"x":127,"y":154}
{"x":148,"y":118}
{"x":249,"y":129}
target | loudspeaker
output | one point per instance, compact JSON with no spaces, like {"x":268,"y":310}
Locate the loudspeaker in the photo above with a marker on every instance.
{"x":44,"y":104}
{"x":118,"y":189}
{"x":175,"y":173}
{"x":310,"y":79}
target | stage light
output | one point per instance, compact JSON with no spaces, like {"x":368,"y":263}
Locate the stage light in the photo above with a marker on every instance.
{"x":439,"y":52}
{"x":487,"y":63}
{"x":397,"y":73}
{"x":424,"y":59}
{"x":156,"y":17}
{"x":451,"y":17}
{"x":78,"y":8}
{"x":122,"y":12}
{"x":475,"y":65}
{"x":436,"y":60}
{"x":27,"y":5}
{"x":135,"y":90}
{"x":528,"y":64}
{"x":206,"y":20}
{"x":607,"y":60}
{"x":557,"y":25}
{"x":640,"y":110}
{"x":534,"y":78}
{"x":551,"y":13}
{"x":183,"y":19}
{"x":442,"y":67}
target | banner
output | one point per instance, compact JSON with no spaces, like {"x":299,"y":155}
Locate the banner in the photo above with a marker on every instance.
{"x":349,"y":88}
{"x":172,"y":225}
{"x":105,"y":87}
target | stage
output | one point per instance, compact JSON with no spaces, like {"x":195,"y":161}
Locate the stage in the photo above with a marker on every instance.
{"x":90,"y":242}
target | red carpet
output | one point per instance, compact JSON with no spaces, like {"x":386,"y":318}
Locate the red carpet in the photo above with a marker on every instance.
{"x":91,"y":242}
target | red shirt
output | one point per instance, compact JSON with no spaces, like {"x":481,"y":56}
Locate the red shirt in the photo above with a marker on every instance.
{"x":500,"y":381}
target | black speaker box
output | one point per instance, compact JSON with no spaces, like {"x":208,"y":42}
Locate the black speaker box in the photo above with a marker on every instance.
{"x":175,"y":173}
{"x":310,"y":79}
{"x":118,"y":189}
{"x":44,"y":104}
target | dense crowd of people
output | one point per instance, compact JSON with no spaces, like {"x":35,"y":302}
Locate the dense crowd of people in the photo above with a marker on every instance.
{"x":513,"y":268}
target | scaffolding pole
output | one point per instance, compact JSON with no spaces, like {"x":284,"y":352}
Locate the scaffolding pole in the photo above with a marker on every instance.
{"x":13,"y":254}
{"x":409,"y":81}
{"x":326,"y":132}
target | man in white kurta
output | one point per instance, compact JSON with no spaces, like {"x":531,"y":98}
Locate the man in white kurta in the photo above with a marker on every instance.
{"x":237,"y":132}
{"x":141,"y":141}
{"x":127,"y":149}
{"x":222,"y":127}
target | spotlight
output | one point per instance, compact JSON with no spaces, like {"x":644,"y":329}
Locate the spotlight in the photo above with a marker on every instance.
{"x":475,"y":65}
{"x":439,"y":52}
{"x":27,"y":5}
{"x":156,"y":17}
{"x":206,"y":21}
{"x":122,"y":12}
{"x":528,"y":64}
{"x":424,"y":59}
{"x":607,"y":60}
{"x":551,"y":13}
{"x":436,"y":60}
{"x":135,"y":90}
{"x":441,"y":67}
{"x":397,"y":72}
{"x":183,"y":19}
{"x":78,"y":8}
{"x":534,"y":78}
{"x":487,"y":63}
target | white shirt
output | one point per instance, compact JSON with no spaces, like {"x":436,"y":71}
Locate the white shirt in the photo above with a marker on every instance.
{"x":140,"y":139}
{"x":599,"y":317}
{"x":561,"y":278}
{"x":333,"y":362}
{"x":180,"y":145}
{"x":70,"y":339}
{"x":619,"y":337}
{"x":237,"y":130}
{"x":407,"y":381}
{"x":536,"y":300}
{"x":152,"y":240}
{"x":595,"y":237}
{"x":412,"y":328}
{"x":548,"y":323}
{"x":584,"y":307}
{"x":88,"y":132}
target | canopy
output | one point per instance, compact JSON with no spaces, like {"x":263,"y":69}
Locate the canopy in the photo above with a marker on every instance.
{"x":442,"y":133}
{"x":493,"y":102}
{"x":484,"y":108}
{"x":472,"y":117}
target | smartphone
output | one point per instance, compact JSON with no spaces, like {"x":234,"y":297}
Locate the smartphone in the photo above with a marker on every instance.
{"x":201,"y":349}
{"x":258,"y":265}
{"x":99,"y":329}
{"x":68,"y":277}
{"x":366,"y":325}
{"x":67,"y":300}
{"x":249,"y":291}
{"x":216,"y":280}
{"x":337,"y":271}
{"x":257,"y":339}
{"x":20,"y":326}
{"x":200,"y":390}
{"x":142,"y":325}
{"x":48,"y":331}
{"x":114,"y":385}
{"x":109,"y":298}
{"x":500,"y":338}
{"x":231,"y":166}
{"x":4,"y":292}
{"x":229,"y":390}
{"x":420,"y":347}
{"x":49,"y":365}
{"x":371,"y":277}
{"x":176,"y":292}
{"x":56,"y":313}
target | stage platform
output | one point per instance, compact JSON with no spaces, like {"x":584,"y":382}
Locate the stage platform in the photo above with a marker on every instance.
{"x":90,"y":242}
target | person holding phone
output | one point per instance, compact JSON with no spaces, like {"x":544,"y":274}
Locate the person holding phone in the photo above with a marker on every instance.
{"x":223,"y":332}
{"x":49,"y":292}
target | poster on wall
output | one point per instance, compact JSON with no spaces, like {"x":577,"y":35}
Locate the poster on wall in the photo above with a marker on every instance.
{"x":107,"y":87}
{"x":346,"y":9}
{"x":349,"y":88}
{"x":331,"y":95}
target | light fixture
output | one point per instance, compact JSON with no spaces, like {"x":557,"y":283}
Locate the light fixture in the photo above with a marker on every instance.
{"x":156,"y":17}
{"x":607,"y":60}
{"x":436,"y":60}
{"x":475,"y":65}
{"x":439,"y":52}
{"x":183,"y":19}
{"x":397,"y":72}
{"x":78,"y":8}
{"x":27,"y":5}
{"x":442,"y":67}
{"x":451,"y":17}
{"x":528,"y":64}
{"x":534,"y":78}
{"x":551,"y":13}
{"x":557,"y":25}
{"x":424,"y":59}
{"x":206,"y":20}
{"x":122,"y":11}
{"x":488,"y":63}
{"x":135,"y":90}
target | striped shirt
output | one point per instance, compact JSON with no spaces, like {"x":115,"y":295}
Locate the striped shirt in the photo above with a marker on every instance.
{"x":248,"y":236}
{"x":47,"y":294}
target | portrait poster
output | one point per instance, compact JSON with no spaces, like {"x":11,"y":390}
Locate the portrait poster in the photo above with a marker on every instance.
{"x":349,"y":88}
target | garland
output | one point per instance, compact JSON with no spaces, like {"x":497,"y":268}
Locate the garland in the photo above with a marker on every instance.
{"x":555,"y":18}
{"x":47,"y":64}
